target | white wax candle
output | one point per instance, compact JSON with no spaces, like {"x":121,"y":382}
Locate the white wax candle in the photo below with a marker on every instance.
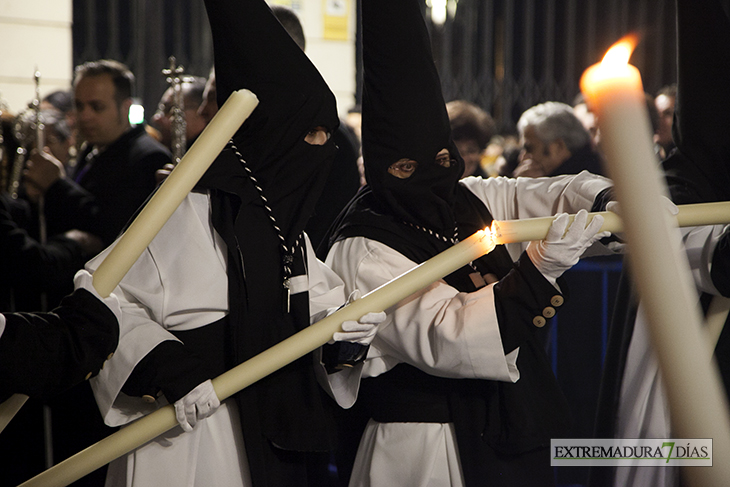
{"x":659,"y":266}
{"x":263,"y":364}
{"x":510,"y":231}
{"x":173,"y":190}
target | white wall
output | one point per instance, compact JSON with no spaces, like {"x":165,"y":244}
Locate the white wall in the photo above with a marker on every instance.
{"x":36,"y":34}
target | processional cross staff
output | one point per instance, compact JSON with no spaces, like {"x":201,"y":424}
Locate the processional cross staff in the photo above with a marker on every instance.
{"x":178,"y":124}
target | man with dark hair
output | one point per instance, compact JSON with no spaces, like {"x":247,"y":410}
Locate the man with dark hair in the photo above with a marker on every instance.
{"x":115,"y":172}
{"x":119,"y":75}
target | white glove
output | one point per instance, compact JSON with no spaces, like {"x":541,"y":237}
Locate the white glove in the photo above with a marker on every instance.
{"x":85,"y":280}
{"x":561,"y":250}
{"x":197,"y":404}
{"x":361,"y":331}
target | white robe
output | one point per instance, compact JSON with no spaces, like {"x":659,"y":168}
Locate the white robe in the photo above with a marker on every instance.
{"x":180,"y":283}
{"x":441,"y":331}
{"x":643,"y":410}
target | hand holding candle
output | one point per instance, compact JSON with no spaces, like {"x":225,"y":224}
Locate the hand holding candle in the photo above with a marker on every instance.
{"x":267,"y":362}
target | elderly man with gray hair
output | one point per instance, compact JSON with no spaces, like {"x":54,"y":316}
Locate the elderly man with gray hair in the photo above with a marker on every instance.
{"x":554,"y":142}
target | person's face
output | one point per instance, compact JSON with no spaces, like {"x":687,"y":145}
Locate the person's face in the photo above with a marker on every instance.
{"x":539,"y":155}
{"x":100,"y":120}
{"x":471,"y":153}
{"x":665,"y":106}
{"x":163,"y":118}
{"x":209,"y":107}
{"x":404,"y":168}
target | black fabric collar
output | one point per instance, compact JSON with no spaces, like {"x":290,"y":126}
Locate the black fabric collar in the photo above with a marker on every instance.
{"x":366,"y":217}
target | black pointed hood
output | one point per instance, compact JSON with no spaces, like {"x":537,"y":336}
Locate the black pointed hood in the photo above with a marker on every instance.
{"x":282,"y":415}
{"x":253,"y":51}
{"x":404,"y":116}
{"x":699,"y":168}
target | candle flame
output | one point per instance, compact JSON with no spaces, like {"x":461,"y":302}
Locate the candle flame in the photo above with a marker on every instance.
{"x":488,"y":236}
{"x":619,"y":54}
{"x":493,"y":229}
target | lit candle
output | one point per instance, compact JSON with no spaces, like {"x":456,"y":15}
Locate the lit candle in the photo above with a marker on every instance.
{"x":173,"y":190}
{"x":613,"y":89}
{"x":695,"y":215}
{"x":149,"y":427}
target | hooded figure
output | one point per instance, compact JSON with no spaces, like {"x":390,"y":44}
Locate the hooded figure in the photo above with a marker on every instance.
{"x":440,"y":382}
{"x":631,"y":400}
{"x":230,"y":275}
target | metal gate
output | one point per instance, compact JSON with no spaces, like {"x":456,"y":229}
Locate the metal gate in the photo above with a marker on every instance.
{"x":508,"y":55}
{"x":504,"y":55}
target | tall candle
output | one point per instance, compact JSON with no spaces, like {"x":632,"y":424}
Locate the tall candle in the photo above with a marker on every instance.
{"x":173,"y":190}
{"x":511,"y":231}
{"x":659,"y":266}
{"x":263,"y":364}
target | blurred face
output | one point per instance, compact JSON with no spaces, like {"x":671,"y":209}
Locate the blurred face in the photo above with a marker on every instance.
{"x":162,"y":119}
{"x":99,"y":119}
{"x":665,"y":106}
{"x":541,"y":157}
{"x":471,"y":153}
{"x":58,"y":147}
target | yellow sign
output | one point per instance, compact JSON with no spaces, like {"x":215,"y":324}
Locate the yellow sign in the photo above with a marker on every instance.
{"x":336,"y":16}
